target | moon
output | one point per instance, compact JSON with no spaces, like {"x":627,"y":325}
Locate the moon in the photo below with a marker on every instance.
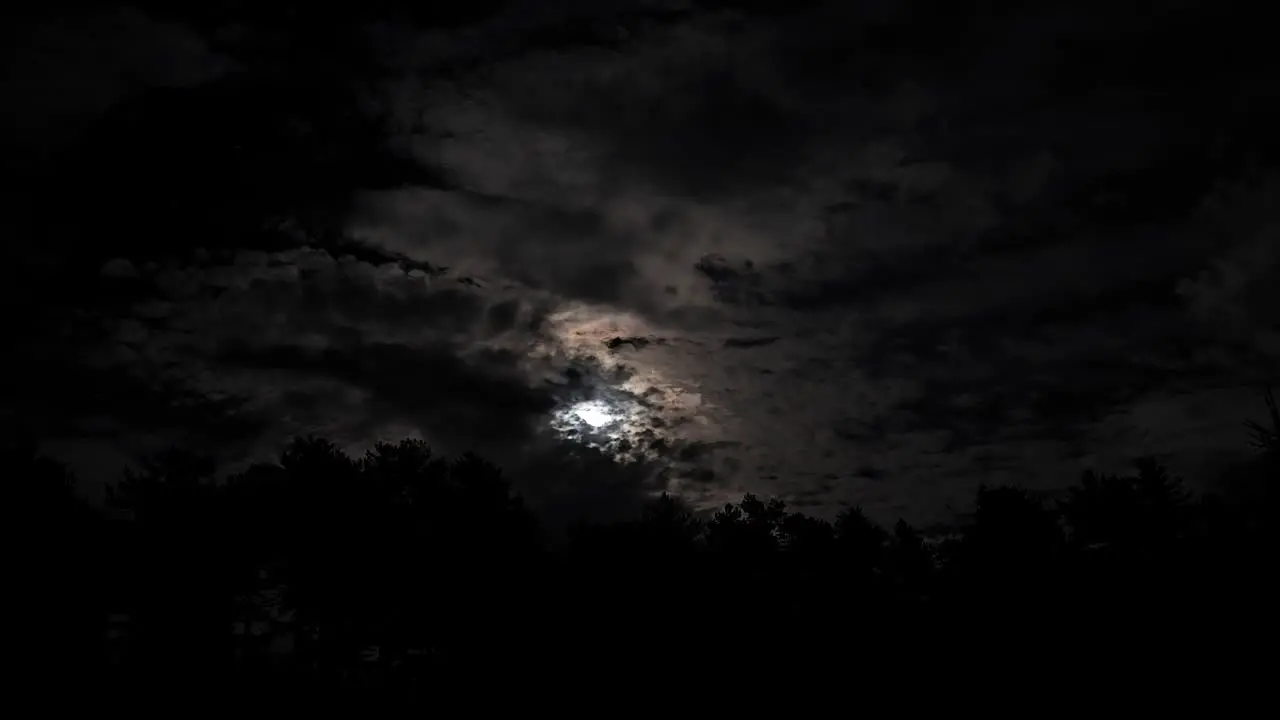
{"x":607,"y":420}
{"x":593,"y":413}
{"x":630,"y":403}
{"x":595,"y":419}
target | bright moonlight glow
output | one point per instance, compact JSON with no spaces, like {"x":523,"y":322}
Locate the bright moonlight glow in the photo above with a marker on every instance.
{"x":594,"y":413}
{"x":610,"y":420}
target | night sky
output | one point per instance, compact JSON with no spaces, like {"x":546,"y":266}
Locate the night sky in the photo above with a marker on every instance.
{"x":848,"y":252}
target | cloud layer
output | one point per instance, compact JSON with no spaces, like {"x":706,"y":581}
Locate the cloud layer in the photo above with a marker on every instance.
{"x":855,"y":252}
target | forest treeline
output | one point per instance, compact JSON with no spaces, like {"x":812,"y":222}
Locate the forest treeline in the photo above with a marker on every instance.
{"x":401,"y":574}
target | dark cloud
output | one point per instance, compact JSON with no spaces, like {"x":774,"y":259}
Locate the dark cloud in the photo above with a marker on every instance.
{"x":65,"y":69}
{"x":996,"y":238}
{"x":452,"y":400}
{"x":749,"y":342}
{"x":567,"y":482}
{"x":636,"y":342}
{"x":728,"y":135}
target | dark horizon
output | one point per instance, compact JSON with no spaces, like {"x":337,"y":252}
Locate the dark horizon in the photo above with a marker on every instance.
{"x":399,"y":580}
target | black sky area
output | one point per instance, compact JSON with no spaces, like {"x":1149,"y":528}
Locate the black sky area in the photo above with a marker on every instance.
{"x":857,"y":252}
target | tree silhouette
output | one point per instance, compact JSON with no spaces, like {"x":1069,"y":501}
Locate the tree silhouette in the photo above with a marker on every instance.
{"x":56,"y":574}
{"x":1262,"y":437}
{"x":399,"y":574}
{"x":174,"y":558}
{"x":862,"y":543}
{"x":1013,"y":538}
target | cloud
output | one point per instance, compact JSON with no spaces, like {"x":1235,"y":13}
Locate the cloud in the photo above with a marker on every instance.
{"x":852,"y":253}
{"x":969,"y":266}
{"x":301,"y":342}
{"x":67,"y":69}
{"x":1235,"y":297}
{"x":749,"y":342}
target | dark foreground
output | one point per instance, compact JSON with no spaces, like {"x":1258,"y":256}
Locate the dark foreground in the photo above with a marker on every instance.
{"x":400,"y":578}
